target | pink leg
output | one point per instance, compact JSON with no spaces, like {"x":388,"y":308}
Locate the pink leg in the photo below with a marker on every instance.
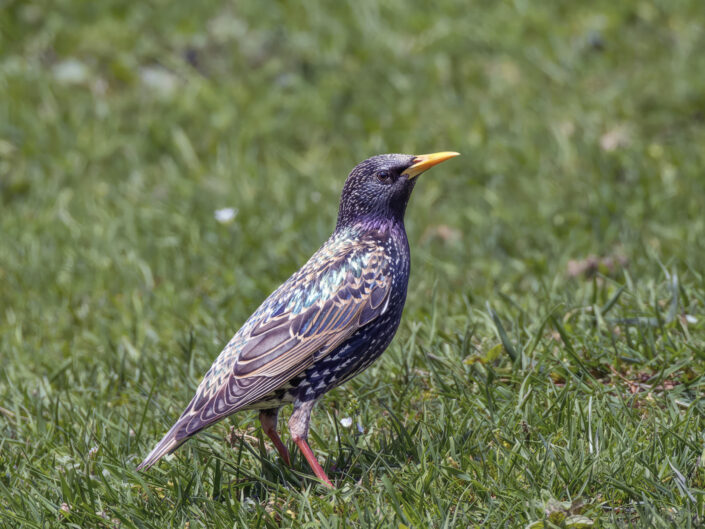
{"x":313,"y":462}
{"x":298,"y":426}
{"x":268,"y":419}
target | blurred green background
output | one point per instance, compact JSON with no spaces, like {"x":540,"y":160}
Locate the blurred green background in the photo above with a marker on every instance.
{"x":124,"y":126}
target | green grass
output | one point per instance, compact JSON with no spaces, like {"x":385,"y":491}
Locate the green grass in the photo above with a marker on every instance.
{"x":521,"y":390}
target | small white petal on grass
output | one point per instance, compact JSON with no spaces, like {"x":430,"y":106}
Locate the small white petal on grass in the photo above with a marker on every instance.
{"x":690,"y":318}
{"x":615,"y":138}
{"x":159,"y":80}
{"x":346,"y":422}
{"x":226,"y":28}
{"x":225,"y":215}
{"x":70,"y":71}
{"x":360,"y":428}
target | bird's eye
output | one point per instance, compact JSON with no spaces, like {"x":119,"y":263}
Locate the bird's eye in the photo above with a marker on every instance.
{"x":384,"y":176}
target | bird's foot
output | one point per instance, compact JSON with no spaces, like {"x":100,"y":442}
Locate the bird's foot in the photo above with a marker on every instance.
{"x":313,"y":462}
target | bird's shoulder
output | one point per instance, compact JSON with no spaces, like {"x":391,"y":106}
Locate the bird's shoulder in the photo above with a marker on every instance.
{"x":345,"y":260}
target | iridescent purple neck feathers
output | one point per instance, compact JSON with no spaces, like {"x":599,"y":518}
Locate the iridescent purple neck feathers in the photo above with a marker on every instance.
{"x":376,"y":190}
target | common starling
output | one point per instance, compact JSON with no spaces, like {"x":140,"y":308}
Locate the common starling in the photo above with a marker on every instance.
{"x":326,"y":323}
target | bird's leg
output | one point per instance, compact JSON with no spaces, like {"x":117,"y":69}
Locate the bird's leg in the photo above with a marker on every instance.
{"x":298,"y":426}
{"x":268,"y":419}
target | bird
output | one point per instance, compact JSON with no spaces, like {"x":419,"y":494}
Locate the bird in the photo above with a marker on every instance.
{"x":324,"y":325}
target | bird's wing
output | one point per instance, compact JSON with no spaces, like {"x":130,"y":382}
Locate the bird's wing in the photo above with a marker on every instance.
{"x":344,"y":286}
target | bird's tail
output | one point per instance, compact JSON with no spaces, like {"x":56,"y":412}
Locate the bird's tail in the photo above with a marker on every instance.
{"x":168,"y":444}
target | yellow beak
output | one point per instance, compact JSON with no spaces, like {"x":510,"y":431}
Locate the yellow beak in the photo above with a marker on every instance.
{"x":426,"y":161}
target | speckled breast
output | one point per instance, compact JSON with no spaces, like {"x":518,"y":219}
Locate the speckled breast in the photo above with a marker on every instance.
{"x":366,"y":345}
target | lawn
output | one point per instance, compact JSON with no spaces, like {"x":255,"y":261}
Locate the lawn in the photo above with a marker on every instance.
{"x":550,"y":366}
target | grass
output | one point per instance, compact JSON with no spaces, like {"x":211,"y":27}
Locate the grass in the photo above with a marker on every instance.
{"x":549,"y":367}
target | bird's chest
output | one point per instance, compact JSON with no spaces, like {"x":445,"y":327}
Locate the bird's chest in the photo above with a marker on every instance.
{"x":366,"y":345}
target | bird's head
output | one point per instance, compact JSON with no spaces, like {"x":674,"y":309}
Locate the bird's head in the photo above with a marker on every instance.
{"x":379,"y":188}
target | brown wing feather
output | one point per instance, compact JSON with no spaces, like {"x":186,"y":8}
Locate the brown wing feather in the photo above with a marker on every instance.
{"x":347,"y":286}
